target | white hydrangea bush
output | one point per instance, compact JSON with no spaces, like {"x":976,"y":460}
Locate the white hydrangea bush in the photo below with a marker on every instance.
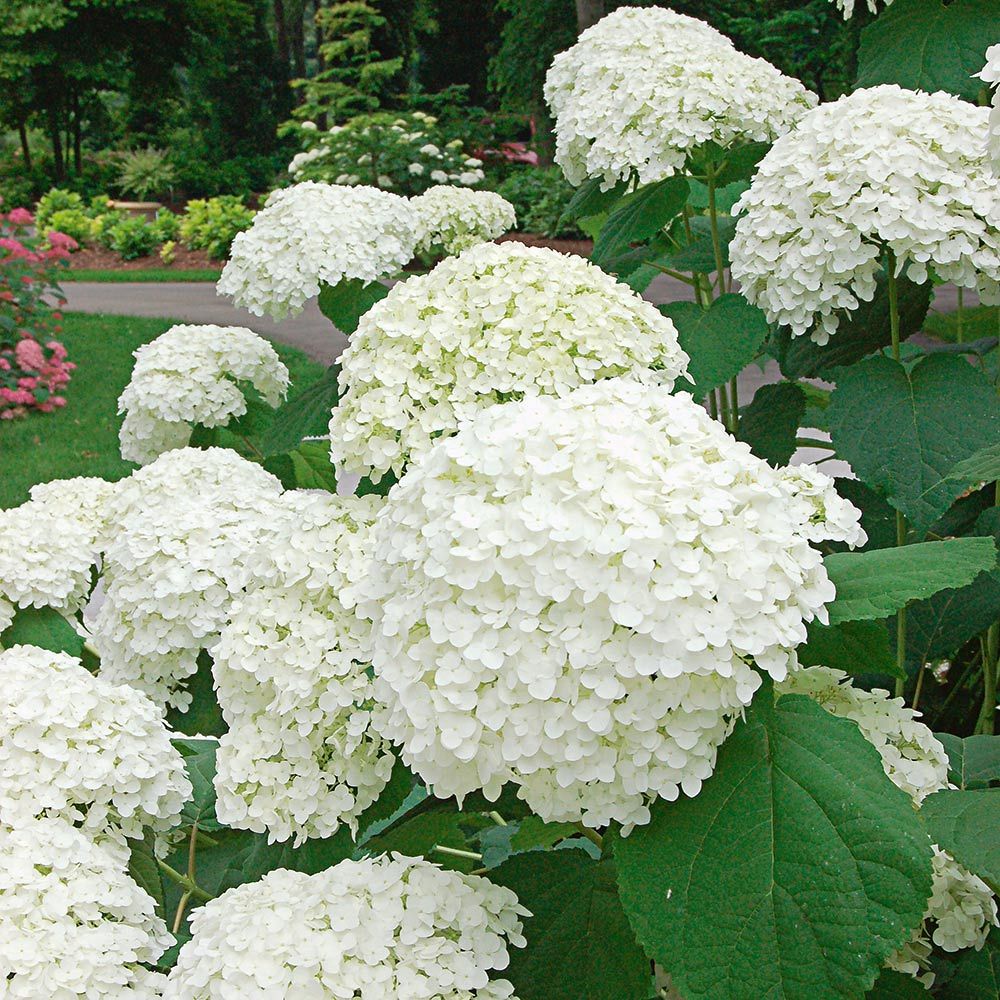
{"x":962,"y":908}
{"x":313,"y":234}
{"x":73,"y":924}
{"x":990,"y":75}
{"x":645,"y":87}
{"x":880,"y":169}
{"x":496,"y":323}
{"x":560,"y":598}
{"x":194,"y":375}
{"x":301,"y":755}
{"x":383,"y":927}
{"x":453,"y":219}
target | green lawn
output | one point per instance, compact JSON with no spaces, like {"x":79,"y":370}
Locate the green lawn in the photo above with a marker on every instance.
{"x":82,"y":438}
{"x":149,"y":274}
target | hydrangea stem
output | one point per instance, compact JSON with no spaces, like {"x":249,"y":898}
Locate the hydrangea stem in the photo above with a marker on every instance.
{"x":732,"y":412}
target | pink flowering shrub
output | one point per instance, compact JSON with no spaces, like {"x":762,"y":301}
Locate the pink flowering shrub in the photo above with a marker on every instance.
{"x":33,"y":366}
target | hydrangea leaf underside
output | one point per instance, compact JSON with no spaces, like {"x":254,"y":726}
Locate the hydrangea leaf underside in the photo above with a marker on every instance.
{"x":793,"y":875}
{"x":306,"y":415}
{"x":966,"y":825}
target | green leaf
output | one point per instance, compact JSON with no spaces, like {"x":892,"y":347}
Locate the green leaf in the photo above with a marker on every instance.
{"x":983,"y":466}
{"x":861,"y":332}
{"x":977,"y":323}
{"x":977,"y":973}
{"x":966,"y":824}
{"x":877,"y":518}
{"x":892,"y":985}
{"x":903,"y":431}
{"x":588,"y":199}
{"x":856,"y":647}
{"x":42,"y":627}
{"x":924,"y":45}
{"x":876,"y":584}
{"x":204,"y":716}
{"x":699,"y":254}
{"x":305,"y":416}
{"x":973,"y":762}
{"x":771,"y":421}
{"x":312,"y":468}
{"x":199,"y":762}
{"x":421,"y":832}
{"x":741,"y":163}
{"x":346,"y":302}
{"x":145,"y":871}
{"x":639,"y":216}
{"x":792,"y":875}
{"x":721,"y":341}
{"x":580,"y":944}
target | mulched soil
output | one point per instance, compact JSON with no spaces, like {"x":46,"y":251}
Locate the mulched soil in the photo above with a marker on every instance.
{"x":582,"y":248}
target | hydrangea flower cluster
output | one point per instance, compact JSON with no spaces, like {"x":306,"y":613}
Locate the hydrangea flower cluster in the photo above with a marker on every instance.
{"x":311,"y":234}
{"x":847,"y":6}
{"x":990,"y":74}
{"x":962,"y":909}
{"x":453,"y":219}
{"x":560,"y":598}
{"x":73,"y":923}
{"x":880,"y":169}
{"x":192,"y":375}
{"x":382,"y":927}
{"x":173,"y":563}
{"x":643,"y":88}
{"x":301,"y":755}
{"x":72,"y":744}
{"x":496,"y":323}
{"x":49,"y":545}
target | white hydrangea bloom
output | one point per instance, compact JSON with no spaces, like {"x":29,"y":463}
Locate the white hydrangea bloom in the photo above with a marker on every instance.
{"x":301,"y":755}
{"x":498,"y":322}
{"x":48,"y":546}
{"x":644,"y":87}
{"x":990,"y":74}
{"x":962,"y":909}
{"x":560,"y":598}
{"x":879,"y":168}
{"x":452,"y":219}
{"x":73,"y":744}
{"x":382,"y":927}
{"x":312,"y":234}
{"x":192,"y":375}
{"x":73,"y":924}
{"x":847,"y":6}
{"x":182,"y":528}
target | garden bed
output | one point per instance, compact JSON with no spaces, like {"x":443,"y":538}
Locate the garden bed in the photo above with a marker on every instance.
{"x":100,"y":259}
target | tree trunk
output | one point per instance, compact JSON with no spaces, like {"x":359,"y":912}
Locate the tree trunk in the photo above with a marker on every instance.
{"x":281,"y":35}
{"x":77,"y":140}
{"x":58,"y":163}
{"x":588,"y":12}
{"x":22,"y":133}
{"x":298,"y":40}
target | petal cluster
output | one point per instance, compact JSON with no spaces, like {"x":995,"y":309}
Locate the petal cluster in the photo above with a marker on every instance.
{"x":313,"y":234}
{"x":173,"y":563}
{"x":452,"y":219}
{"x":382,"y":927}
{"x":847,"y":6}
{"x":73,"y":924}
{"x":496,"y":323}
{"x":644,"y":87}
{"x":883,"y":169}
{"x":193,"y":375}
{"x":571,"y":592}
{"x":962,"y":909}
{"x":301,"y":755}
{"x":990,"y":74}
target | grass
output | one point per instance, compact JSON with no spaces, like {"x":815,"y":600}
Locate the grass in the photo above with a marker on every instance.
{"x":148,"y":274}
{"x":82,"y":438}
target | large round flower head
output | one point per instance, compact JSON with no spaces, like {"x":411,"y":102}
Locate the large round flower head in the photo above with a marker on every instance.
{"x":990,"y":74}
{"x":570,"y":594}
{"x":452,"y":219}
{"x":301,"y":755}
{"x":961,"y":909}
{"x":192,"y":375}
{"x":881,"y":169}
{"x":496,"y":323}
{"x":182,"y":528}
{"x":312,"y":234}
{"x":379,"y":928}
{"x":73,"y":925}
{"x":48,"y":546}
{"x":73,"y":744}
{"x":643,"y":88}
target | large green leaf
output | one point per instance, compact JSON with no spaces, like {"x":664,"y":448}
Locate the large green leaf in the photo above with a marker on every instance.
{"x":305,"y":416}
{"x":42,"y":627}
{"x":876,"y":584}
{"x":699,"y":254}
{"x":856,"y":647}
{"x":346,"y":302}
{"x":203,"y":716}
{"x":981,"y":467}
{"x":145,"y":871}
{"x":580,"y":944}
{"x":977,"y":973}
{"x":721,"y":341}
{"x":770,"y":422}
{"x":966,"y":824}
{"x":892,"y":985}
{"x":199,"y":762}
{"x":792,"y":875}
{"x":973,"y":762}
{"x":925,"y":45}
{"x":903,"y":431}
{"x":861,"y":332}
{"x":588,"y":200}
{"x":311,"y":466}
{"x":639,"y":215}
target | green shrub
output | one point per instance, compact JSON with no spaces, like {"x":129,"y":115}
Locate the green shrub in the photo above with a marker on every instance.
{"x":212,"y":224}
{"x":540,"y":197}
{"x":56,"y":200}
{"x":167,"y":225}
{"x":71,"y":221}
{"x":133,"y":237}
{"x":102,"y":227}
{"x":145,"y":173}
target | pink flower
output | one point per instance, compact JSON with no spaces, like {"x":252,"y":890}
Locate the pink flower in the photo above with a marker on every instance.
{"x":28,"y":382}
{"x":29,"y":355}
{"x":20,"y":217}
